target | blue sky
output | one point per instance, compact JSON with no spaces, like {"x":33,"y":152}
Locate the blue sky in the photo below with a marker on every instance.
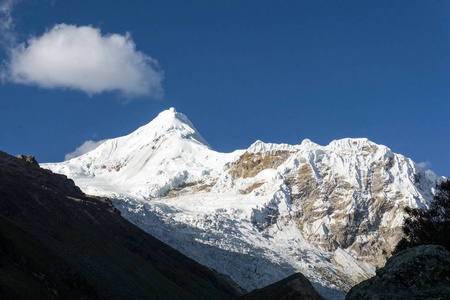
{"x":277,"y":71}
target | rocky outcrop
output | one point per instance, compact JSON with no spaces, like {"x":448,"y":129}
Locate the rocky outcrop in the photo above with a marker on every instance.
{"x":250,"y":164}
{"x":28,"y":158}
{"x":417,"y":273}
{"x":295,"y":286}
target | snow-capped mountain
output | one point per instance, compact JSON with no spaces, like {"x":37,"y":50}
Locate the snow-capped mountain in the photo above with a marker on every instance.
{"x":331,"y":212}
{"x":147,"y":163}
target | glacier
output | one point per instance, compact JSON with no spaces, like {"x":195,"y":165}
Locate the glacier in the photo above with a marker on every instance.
{"x":259,"y":214}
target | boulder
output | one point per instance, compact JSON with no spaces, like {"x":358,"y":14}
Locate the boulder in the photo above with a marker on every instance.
{"x":417,"y":273}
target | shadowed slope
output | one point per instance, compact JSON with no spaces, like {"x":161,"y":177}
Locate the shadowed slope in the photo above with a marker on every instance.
{"x":56,"y":242}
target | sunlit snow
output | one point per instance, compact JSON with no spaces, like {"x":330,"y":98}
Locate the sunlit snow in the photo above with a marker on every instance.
{"x":208,"y":216}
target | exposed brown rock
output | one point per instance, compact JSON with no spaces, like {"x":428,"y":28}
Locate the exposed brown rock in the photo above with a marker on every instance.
{"x":28,"y":158}
{"x":337,"y":194}
{"x":190,"y":187}
{"x":250,"y":164}
{"x":252,"y":187}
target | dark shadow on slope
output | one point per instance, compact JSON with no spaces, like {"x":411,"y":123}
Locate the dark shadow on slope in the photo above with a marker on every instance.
{"x":56,"y":242}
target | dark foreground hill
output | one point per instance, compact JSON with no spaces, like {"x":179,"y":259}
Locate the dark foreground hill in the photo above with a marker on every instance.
{"x":296,"y":286}
{"x":57,"y":243}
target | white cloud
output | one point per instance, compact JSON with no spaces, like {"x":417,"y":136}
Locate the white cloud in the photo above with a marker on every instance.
{"x":424,"y":165}
{"x":82,"y":58}
{"x":84,"y":148}
{"x":6,"y":22}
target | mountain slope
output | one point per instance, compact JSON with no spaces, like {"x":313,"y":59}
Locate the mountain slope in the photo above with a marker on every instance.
{"x":57,"y":242}
{"x":330,"y":212}
{"x":148,"y":162}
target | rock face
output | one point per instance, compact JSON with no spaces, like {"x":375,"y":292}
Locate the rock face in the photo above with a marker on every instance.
{"x":331,"y":212}
{"x":58,"y":243}
{"x":295,"y":286}
{"x":417,"y":273}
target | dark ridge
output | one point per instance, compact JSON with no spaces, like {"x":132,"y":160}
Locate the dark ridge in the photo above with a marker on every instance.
{"x":57,"y":243}
{"x":296,"y":286}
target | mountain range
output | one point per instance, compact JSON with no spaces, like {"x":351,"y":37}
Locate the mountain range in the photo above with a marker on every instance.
{"x":260,"y":214}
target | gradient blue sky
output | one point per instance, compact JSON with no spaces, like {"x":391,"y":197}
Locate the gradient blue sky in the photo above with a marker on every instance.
{"x":277,"y":71}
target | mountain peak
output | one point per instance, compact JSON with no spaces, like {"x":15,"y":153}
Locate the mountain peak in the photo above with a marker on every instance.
{"x":168,"y":116}
{"x":172,"y":122}
{"x":351,"y":143}
{"x":261,"y":147}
